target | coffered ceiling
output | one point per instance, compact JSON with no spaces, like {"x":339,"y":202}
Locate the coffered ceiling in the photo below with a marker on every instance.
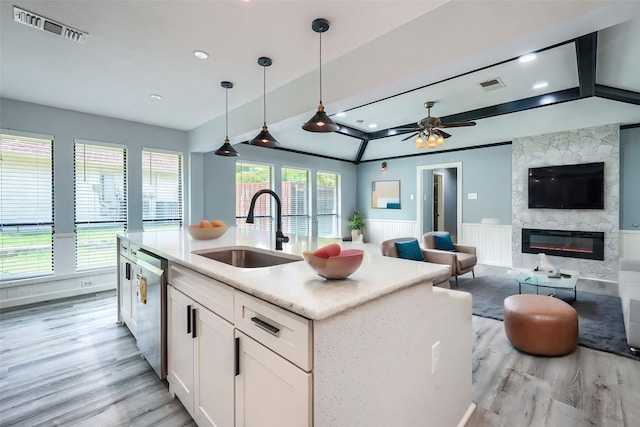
{"x":382,"y":60}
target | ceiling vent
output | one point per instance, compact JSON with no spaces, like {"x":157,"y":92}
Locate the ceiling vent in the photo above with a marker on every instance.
{"x":45,"y":24}
{"x":492,"y":84}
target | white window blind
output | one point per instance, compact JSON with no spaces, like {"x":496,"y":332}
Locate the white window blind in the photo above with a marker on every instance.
{"x":26,"y":207}
{"x":100,"y":203}
{"x":161,"y":190}
{"x":251,"y":178}
{"x":295,"y":201}
{"x":328,"y":207}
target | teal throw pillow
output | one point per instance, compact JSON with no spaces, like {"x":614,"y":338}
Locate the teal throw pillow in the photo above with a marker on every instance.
{"x":443,"y":242}
{"x":410,"y":250}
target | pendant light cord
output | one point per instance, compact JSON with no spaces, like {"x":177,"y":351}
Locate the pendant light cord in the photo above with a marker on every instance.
{"x":226,"y":112}
{"x":264,"y":93}
{"x":320,"y":68}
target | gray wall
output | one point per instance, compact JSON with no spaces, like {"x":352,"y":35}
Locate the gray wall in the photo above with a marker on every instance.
{"x":65,"y":125}
{"x":486,"y":171}
{"x":630,"y":179}
{"x":219,"y":179}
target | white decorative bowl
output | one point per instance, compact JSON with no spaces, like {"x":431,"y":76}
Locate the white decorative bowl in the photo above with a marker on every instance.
{"x":200,"y":233}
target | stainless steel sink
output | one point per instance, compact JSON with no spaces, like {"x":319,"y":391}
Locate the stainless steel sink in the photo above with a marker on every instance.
{"x":247,"y":257}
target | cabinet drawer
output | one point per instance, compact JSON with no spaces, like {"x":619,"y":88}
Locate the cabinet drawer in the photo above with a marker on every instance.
{"x":124,"y":247}
{"x":214,"y":295}
{"x":285,"y":333}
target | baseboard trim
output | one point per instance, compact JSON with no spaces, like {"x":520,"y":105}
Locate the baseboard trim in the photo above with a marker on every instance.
{"x":467,"y":415}
{"x":50,"y":296}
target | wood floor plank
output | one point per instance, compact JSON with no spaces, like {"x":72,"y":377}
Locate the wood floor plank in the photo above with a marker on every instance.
{"x":68,"y":363}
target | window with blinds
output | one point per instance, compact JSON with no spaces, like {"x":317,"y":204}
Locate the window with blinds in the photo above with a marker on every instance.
{"x":100,"y":203}
{"x":294,"y":193}
{"x":327,"y":202}
{"x":161,"y":190}
{"x":26,"y":207}
{"x":251,"y":178}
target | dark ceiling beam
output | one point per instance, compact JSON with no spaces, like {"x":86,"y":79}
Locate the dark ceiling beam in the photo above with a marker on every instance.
{"x":616,"y":94}
{"x":352,"y":132}
{"x":428,"y":153}
{"x":291,"y":150}
{"x":361,"y":150}
{"x":586,"y":57}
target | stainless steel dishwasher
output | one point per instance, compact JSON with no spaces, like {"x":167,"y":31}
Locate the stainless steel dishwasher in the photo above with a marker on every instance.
{"x":151,"y":281}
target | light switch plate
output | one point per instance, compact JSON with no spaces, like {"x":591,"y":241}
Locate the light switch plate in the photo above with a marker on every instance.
{"x":472,"y":196}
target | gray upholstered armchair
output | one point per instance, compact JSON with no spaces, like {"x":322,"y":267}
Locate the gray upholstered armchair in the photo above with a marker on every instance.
{"x":462,"y":259}
{"x":388,"y":248}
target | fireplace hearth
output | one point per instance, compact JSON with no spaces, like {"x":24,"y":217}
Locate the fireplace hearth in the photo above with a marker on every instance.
{"x":571,"y":244}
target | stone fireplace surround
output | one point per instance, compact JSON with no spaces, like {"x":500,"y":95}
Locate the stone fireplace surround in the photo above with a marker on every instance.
{"x":596,"y":144}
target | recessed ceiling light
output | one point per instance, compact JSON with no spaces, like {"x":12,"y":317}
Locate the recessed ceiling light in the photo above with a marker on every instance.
{"x":540,"y":85}
{"x":200,"y":54}
{"x":372,"y":125}
{"x":155,"y":96}
{"x":341,"y":114}
{"x":527,"y":58}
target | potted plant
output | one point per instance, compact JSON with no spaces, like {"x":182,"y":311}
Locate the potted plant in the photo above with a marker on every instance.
{"x":356,"y":223}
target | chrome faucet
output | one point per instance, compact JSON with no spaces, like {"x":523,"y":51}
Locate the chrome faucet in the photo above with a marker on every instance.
{"x":279,"y":236}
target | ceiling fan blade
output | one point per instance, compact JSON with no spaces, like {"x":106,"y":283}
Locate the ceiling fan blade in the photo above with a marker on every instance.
{"x":441,"y":132}
{"x":415,"y":128}
{"x":410,"y":136}
{"x":456,"y":124}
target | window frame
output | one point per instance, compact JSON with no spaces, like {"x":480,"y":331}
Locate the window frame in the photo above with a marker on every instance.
{"x":338,"y":204}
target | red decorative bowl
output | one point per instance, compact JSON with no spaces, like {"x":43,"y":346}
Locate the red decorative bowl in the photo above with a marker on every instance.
{"x":340,"y":266}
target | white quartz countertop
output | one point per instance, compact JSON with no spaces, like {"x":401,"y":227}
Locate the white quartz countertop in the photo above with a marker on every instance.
{"x":294,"y":286}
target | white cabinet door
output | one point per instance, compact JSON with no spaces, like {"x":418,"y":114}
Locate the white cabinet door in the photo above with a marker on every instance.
{"x":270,"y":390}
{"x":214,"y":370}
{"x":180,"y":345}
{"x":127,"y":294}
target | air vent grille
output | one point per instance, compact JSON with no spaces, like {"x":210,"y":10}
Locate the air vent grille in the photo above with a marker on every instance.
{"x":45,"y":24}
{"x":492,"y":84}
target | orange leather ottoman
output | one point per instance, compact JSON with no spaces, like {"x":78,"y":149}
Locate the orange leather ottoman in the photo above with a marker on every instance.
{"x":541,"y":325}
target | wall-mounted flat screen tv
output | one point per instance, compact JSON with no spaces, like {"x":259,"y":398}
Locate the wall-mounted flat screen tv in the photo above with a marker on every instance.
{"x":567,"y":186}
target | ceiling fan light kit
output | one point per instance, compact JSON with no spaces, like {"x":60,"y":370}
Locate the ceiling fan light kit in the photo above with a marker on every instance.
{"x":430,"y":127}
{"x":226,"y":150}
{"x":320,"y":122}
{"x":264,"y":138}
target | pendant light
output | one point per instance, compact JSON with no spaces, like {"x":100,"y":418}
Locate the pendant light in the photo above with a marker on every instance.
{"x":264,"y":138}
{"x":320,"y":122}
{"x":226,"y":149}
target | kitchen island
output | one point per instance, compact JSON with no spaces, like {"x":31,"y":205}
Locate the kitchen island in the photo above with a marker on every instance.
{"x":383,"y":347}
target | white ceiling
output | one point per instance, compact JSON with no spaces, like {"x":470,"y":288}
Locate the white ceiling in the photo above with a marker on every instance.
{"x":373,"y":50}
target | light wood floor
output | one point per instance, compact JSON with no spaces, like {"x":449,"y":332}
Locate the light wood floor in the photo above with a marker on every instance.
{"x":68,"y":363}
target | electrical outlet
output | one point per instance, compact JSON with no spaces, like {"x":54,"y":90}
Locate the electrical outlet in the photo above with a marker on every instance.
{"x":435,"y":357}
{"x":86,"y":283}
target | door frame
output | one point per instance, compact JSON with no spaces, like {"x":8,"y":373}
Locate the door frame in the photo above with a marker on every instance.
{"x":419,"y":190}
{"x":437,"y":176}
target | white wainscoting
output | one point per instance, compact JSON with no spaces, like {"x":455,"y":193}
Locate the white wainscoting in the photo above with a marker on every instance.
{"x":30,"y":291}
{"x":379,"y":230}
{"x":630,"y":244}
{"x":492,"y":242}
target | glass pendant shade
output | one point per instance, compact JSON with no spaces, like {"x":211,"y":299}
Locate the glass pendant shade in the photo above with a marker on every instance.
{"x":419,"y":142}
{"x":432,"y":141}
{"x":320,"y":122}
{"x":440,"y":141}
{"x":227,"y":150}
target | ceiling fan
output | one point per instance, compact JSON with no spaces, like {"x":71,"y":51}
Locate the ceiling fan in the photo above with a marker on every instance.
{"x":430,"y":129}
